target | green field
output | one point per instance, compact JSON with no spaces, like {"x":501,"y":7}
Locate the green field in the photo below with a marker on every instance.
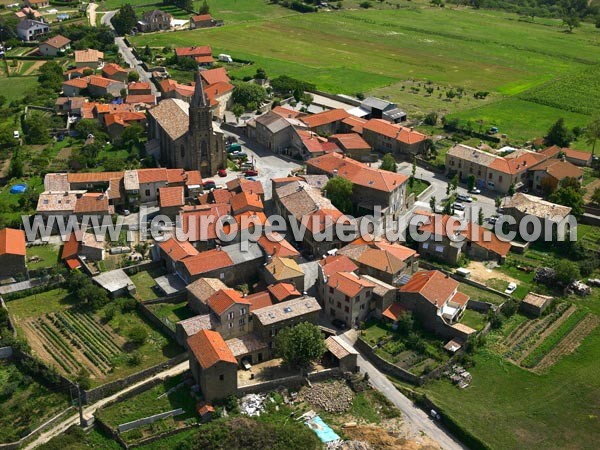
{"x":15,"y":88}
{"x":512,"y":408}
{"x":394,"y":52}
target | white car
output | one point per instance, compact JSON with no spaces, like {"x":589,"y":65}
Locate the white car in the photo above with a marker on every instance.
{"x":511,"y":288}
{"x":16,"y":134}
{"x":475,"y":191}
{"x":459,"y":206}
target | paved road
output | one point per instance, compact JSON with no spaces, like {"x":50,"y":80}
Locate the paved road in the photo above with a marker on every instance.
{"x":415,"y":417}
{"x":91,"y":11}
{"x":91,"y":409}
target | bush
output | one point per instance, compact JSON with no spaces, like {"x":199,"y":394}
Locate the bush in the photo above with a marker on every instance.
{"x":365,"y":5}
{"x":431,"y":119}
{"x":137,"y":335}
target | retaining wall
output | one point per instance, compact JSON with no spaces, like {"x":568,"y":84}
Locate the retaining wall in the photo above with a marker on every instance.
{"x":293,"y":382}
{"x":148,"y":420}
{"x":384,"y":366}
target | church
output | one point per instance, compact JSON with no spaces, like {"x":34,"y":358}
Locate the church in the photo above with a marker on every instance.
{"x":186,"y":135}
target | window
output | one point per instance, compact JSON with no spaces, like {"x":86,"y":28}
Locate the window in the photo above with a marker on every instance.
{"x":221,"y":377}
{"x":230,"y":315}
{"x":479,"y":172}
{"x":147,"y":192}
{"x":346,"y":309}
{"x":339,"y":305}
{"x":242,"y":321}
{"x":330,"y":290}
{"x":347,"y":298}
{"x":490,"y":176}
{"x":500,"y":179}
{"x":242,"y":311}
{"x":369,"y":294}
{"x":230,"y":324}
{"x":362,"y":306}
{"x":332,"y":312}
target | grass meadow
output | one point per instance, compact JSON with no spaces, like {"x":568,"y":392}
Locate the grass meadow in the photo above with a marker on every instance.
{"x":529,"y":68}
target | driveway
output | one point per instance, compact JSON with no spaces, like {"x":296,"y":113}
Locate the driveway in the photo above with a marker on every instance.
{"x":418,"y":420}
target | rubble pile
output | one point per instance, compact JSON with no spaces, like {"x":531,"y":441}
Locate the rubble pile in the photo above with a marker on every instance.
{"x":579,"y":288}
{"x":334,"y":397}
{"x":253,"y":404}
{"x":545,"y":275}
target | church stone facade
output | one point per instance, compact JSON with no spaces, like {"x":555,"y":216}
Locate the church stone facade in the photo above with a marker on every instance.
{"x":186,"y":134}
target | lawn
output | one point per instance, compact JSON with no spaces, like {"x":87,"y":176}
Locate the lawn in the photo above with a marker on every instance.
{"x":473,"y":319}
{"x":15,"y":88}
{"x":417,"y":187}
{"x":171,"y":313}
{"x":144,"y":285}
{"x":47,"y":254}
{"x":35,"y":305}
{"x":480,"y":294}
{"x":24,"y":402}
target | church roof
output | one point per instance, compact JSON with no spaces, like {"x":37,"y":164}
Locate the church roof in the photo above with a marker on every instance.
{"x":199,"y":98}
{"x":173,"y":116}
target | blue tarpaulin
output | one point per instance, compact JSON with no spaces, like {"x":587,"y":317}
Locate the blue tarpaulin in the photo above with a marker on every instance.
{"x":322,"y":430}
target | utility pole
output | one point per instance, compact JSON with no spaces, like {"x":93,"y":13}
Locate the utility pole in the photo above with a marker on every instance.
{"x":81,"y":421}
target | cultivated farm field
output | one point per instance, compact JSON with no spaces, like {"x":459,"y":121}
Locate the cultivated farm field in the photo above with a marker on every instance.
{"x":390,"y":51}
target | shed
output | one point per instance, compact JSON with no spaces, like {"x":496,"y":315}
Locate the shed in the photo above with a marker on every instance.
{"x":343,"y":352}
{"x":534,"y":304}
{"x":116,"y":282}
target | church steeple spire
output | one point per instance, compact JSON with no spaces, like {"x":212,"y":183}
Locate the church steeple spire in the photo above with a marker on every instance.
{"x":199,"y":98}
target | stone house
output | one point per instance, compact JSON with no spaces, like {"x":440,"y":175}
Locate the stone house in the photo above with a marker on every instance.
{"x":213,"y":365}
{"x":284,"y":270}
{"x":344,"y":353}
{"x":154,"y":20}
{"x":548,"y":176}
{"x":272,"y":131}
{"x":171,"y":251}
{"x":12,"y":253}
{"x":200,"y":291}
{"x":347,"y":297}
{"x":353,"y":145}
{"x":100,"y":86}
{"x":435,"y":301}
{"x":232,"y":313}
{"x":89,"y":58}
{"x":269,"y":321}
{"x":384,"y":295}
{"x":326,"y":123}
{"x":202,"y":21}
{"x":171,"y":200}
{"x":534,"y":304}
{"x":115,"y":72}
{"x":386,"y":137}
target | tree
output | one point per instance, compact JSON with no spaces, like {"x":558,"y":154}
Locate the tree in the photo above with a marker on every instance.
{"x":260,"y":74}
{"x":237,"y":111}
{"x":432,"y":202}
{"x":124,"y":20}
{"x":246,"y":93}
{"x":306,"y":99}
{"x":498,"y":202}
{"x":431,"y":118}
{"x":569,"y":196}
{"x":411,"y":179}
{"x":388,"y":163}
{"x":204,"y":9}
{"x":596,"y":196}
{"x":133,"y":76}
{"x":137,"y":335}
{"x":592,"y":133}
{"x":511,"y":190}
{"x":36,"y":128}
{"x":131,"y":136}
{"x":558,"y":134}
{"x":85,"y":127}
{"x":566,"y":271}
{"x":285,"y":85}
{"x":300,"y":345}
{"x":16,"y":168}
{"x":471,"y":182}
{"x":454,"y":183}
{"x":339,"y":191}
{"x":480,"y":217}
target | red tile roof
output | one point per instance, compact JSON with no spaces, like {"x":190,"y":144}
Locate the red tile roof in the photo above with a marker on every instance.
{"x":138,"y":86}
{"x":93,"y":177}
{"x":217,"y":75}
{"x":207,"y":261}
{"x":171,"y":196}
{"x":274,"y":244}
{"x":350,"y":141}
{"x":259,"y":300}
{"x":178,"y":250}
{"x":286,"y":112}
{"x":193,"y":178}
{"x":244,"y":201}
{"x":394,"y":311}
{"x":124,"y":118}
{"x":192,"y":216}
{"x":201,"y":18}
{"x":559,"y":169}
{"x":92,"y":202}
{"x":111,"y":69}
{"x":209,"y":348}
{"x":201,"y":50}
{"x":356,"y":124}
{"x":70,"y":247}
{"x":12,"y":242}
{"x":58,"y":41}
{"x":204,"y":59}
{"x":80,"y":83}
{"x":394,"y":131}
{"x":357,"y":172}
{"x":95,"y":80}
{"x":348,"y":283}
{"x":224,"y":299}
{"x":132,"y":99}
{"x":433,"y":285}
{"x":283,"y":291}
{"x":325,"y":117}
{"x":577,"y":154}
{"x":152,"y":175}
{"x":337,"y":263}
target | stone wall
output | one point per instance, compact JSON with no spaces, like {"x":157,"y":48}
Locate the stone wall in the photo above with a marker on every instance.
{"x":148,"y":314}
{"x":105,"y":390}
{"x":148,"y":420}
{"x":292,"y":382}
{"x":387,"y":368}
{"x":48,"y":424}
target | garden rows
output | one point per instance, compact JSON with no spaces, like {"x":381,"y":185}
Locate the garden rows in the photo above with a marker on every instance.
{"x":76,"y":340}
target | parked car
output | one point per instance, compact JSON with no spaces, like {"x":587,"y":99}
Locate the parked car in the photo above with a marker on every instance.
{"x":475,"y":191}
{"x":239,"y":155}
{"x":511,"y":288}
{"x":16,"y":134}
{"x":465,"y":198}
{"x":492,"y":220}
{"x":209,"y":184}
{"x":222,"y":172}
{"x":234,"y":148}
{"x":459,"y":206}
{"x":251,"y":173}
{"x":125,"y":212}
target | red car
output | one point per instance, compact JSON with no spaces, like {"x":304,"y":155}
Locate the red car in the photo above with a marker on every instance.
{"x":251,"y":173}
{"x":222,"y":172}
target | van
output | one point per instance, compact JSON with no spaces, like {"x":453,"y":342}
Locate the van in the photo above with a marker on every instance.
{"x":491,"y":185}
{"x":225,"y":58}
{"x":463,"y":272}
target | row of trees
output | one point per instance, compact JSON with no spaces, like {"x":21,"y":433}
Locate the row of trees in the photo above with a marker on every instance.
{"x":560,"y":135}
